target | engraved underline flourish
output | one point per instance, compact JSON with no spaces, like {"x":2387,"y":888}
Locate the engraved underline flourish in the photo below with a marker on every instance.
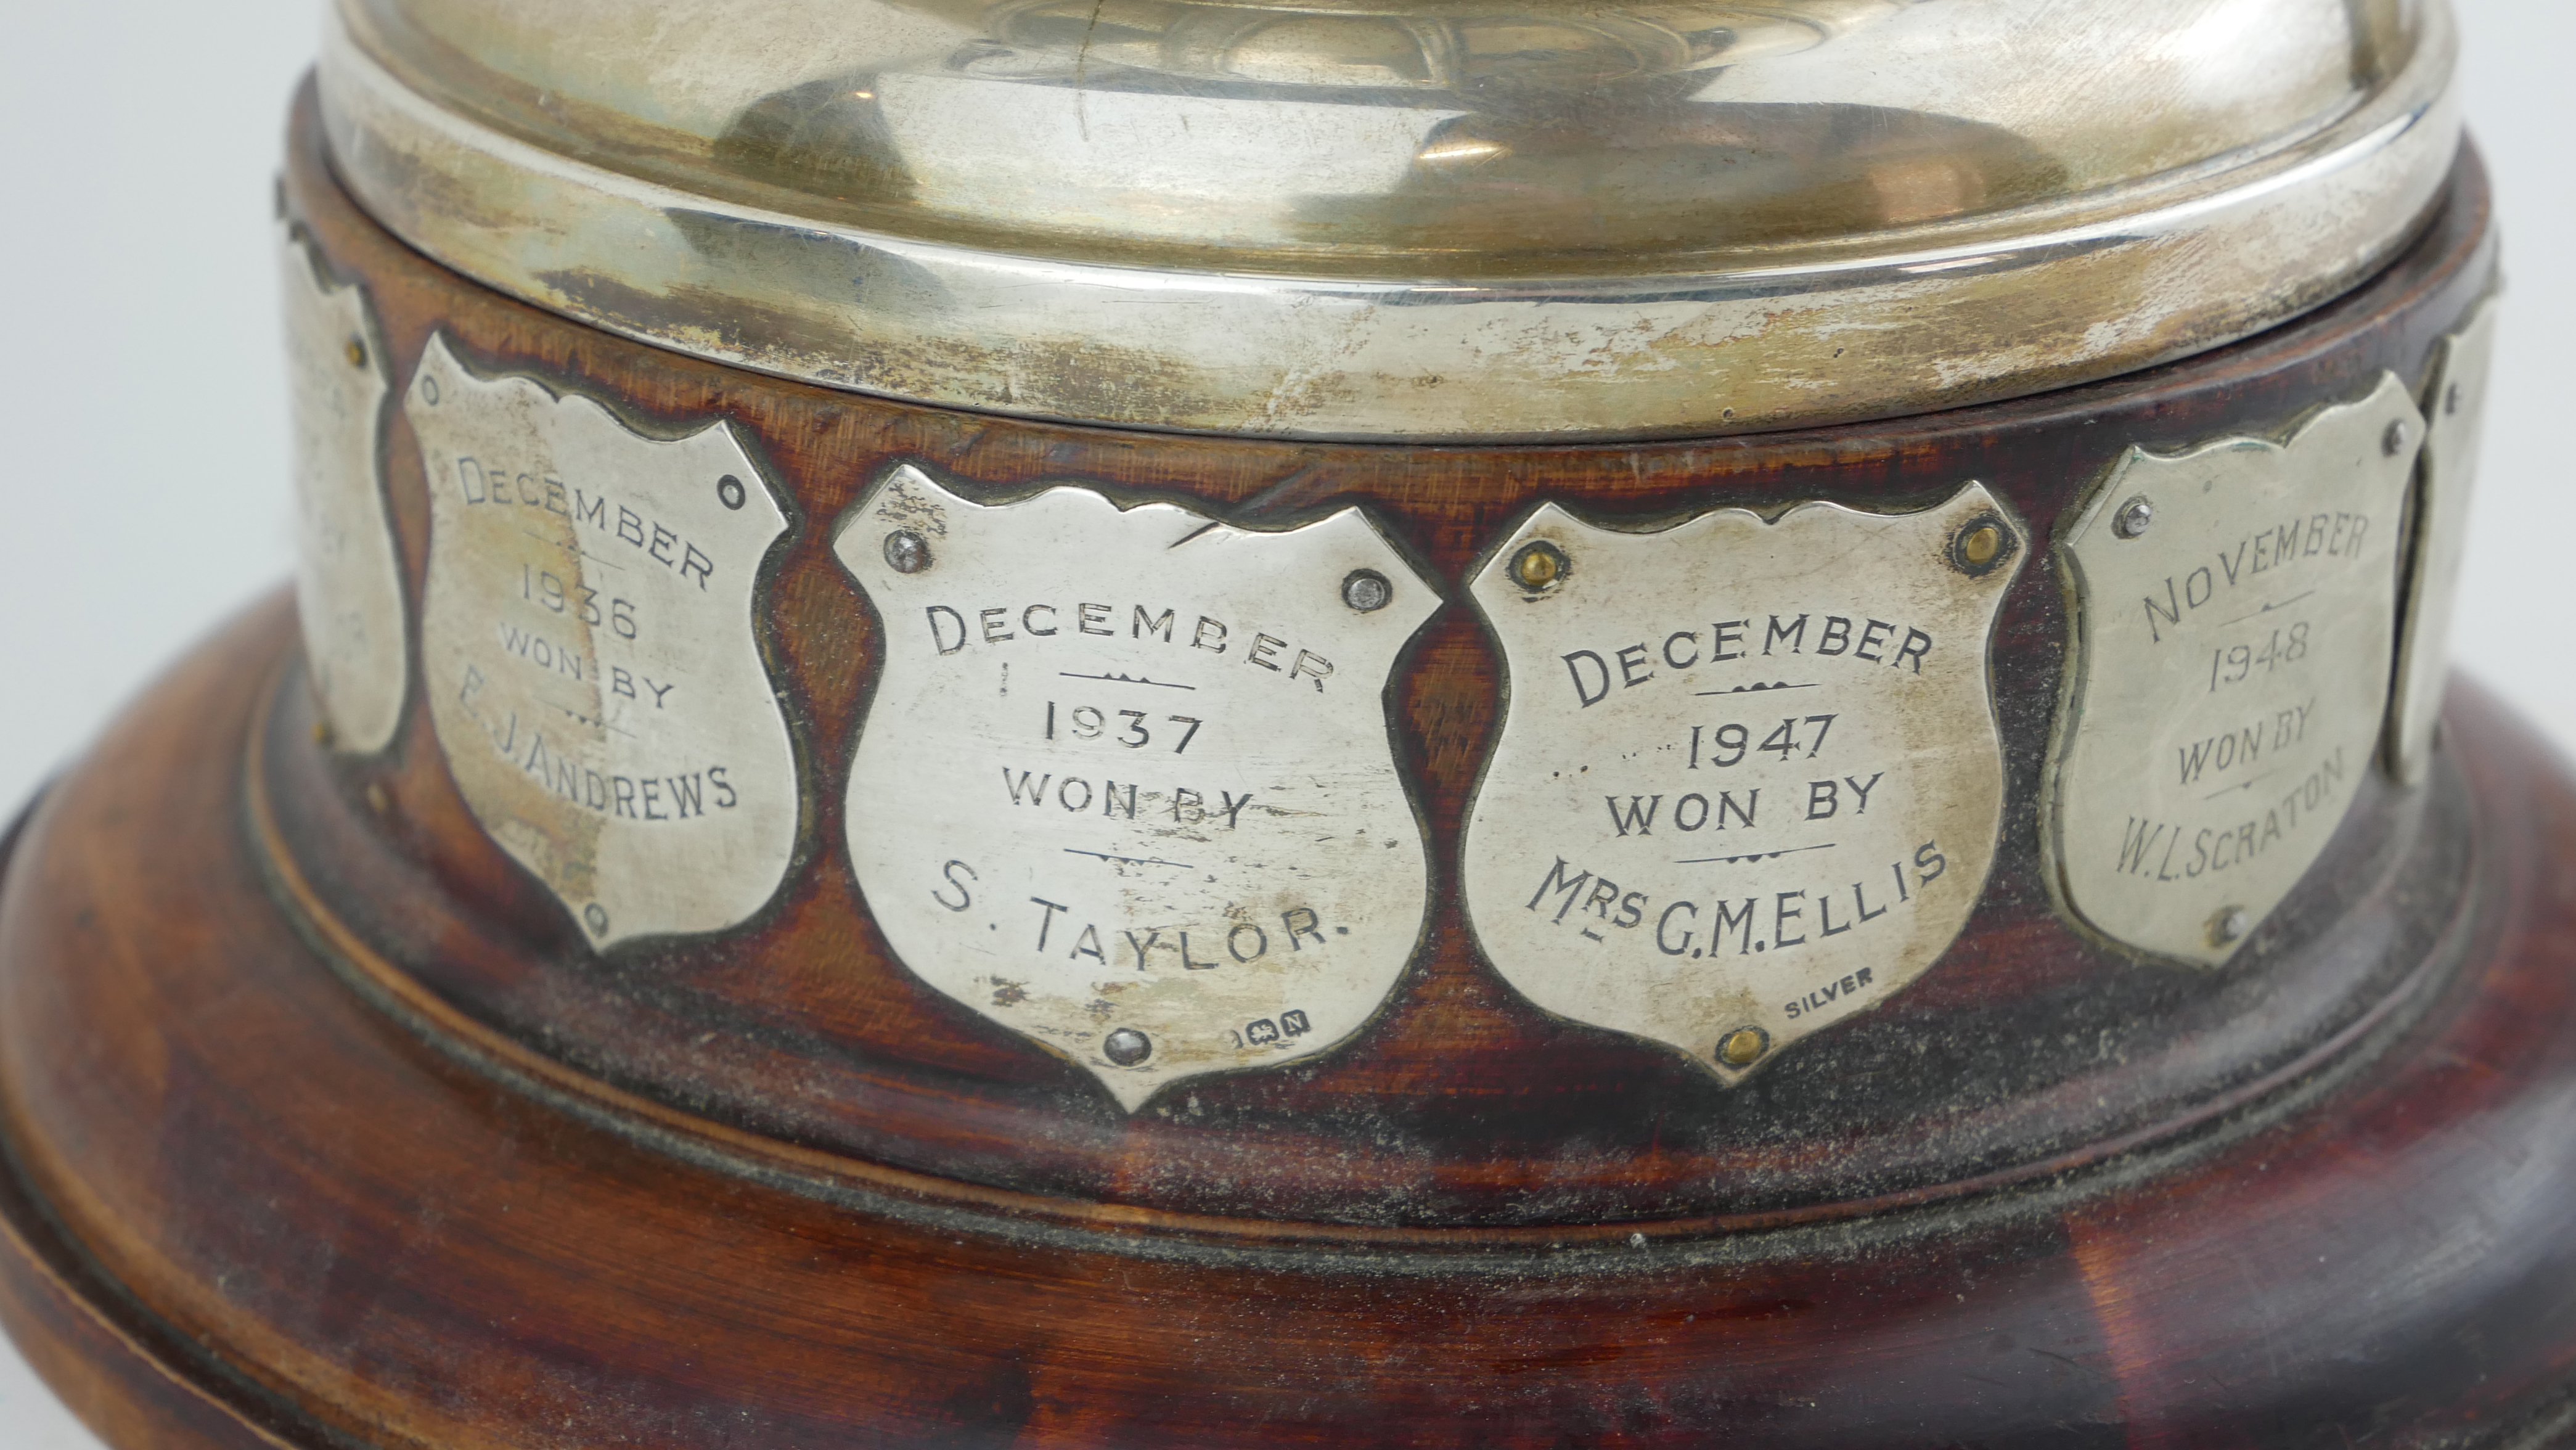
{"x":2245,"y":784}
{"x":1130,"y":860}
{"x":1126,"y":680}
{"x":2266,"y":609}
{"x":1754,"y":856}
{"x":1749,"y":689}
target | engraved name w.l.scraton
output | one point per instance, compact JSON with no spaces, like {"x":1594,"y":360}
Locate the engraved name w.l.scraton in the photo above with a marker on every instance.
{"x":2235,"y":607}
{"x":1749,"y":778}
{"x":1126,"y":784}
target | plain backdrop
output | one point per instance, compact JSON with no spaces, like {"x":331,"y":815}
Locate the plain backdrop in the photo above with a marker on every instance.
{"x":144,"y":496}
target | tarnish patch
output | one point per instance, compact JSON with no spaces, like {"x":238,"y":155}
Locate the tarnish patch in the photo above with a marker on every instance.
{"x":1749,"y":781}
{"x":348,"y":583}
{"x":1126,"y":785}
{"x":2234,"y":614}
{"x":587,"y":639}
{"x":2454,"y":404}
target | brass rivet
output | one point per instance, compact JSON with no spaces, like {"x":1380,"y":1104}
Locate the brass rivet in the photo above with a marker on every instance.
{"x":1743,"y":1047}
{"x":357,"y":351}
{"x":1538,"y":566}
{"x":595,"y":917}
{"x":1981,"y":545}
{"x":2393,"y":442}
{"x":377,"y":800}
{"x":1127,"y":1047}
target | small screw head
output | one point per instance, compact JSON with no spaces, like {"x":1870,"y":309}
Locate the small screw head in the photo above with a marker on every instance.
{"x":1127,"y":1047}
{"x":595,"y":917}
{"x":907,"y":552}
{"x":1743,"y":1047}
{"x":356,"y":351}
{"x":730,"y":492}
{"x":2228,"y":924}
{"x":2451,"y":398}
{"x":1538,"y":566}
{"x":2133,"y":517}
{"x":2393,"y":442}
{"x":1367,"y":591}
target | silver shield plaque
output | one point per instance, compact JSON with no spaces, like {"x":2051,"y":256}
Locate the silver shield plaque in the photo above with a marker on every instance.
{"x":1126,"y":785}
{"x":2234,"y":614}
{"x":588,"y":646}
{"x":348,"y":584}
{"x":2454,"y":405}
{"x":1749,"y":778}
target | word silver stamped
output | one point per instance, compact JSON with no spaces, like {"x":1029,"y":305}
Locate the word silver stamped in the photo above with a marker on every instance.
{"x":2234,"y":612}
{"x":1749,"y":781}
{"x":348,"y":585}
{"x":587,"y":636}
{"x":2453,"y":406}
{"x":1127,"y":785}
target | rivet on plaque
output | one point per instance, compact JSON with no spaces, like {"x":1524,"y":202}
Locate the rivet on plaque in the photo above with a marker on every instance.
{"x":2229,"y":673}
{"x":348,"y":588}
{"x":1126,"y":784}
{"x":1739,"y":796}
{"x":588,"y":641}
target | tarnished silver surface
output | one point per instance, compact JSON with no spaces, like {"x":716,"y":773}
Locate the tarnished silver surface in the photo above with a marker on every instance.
{"x":348,"y":583}
{"x":1126,"y":785}
{"x":2230,"y":675}
{"x":1749,"y":780}
{"x":1423,"y":221}
{"x":588,"y":645}
{"x":2454,"y":404}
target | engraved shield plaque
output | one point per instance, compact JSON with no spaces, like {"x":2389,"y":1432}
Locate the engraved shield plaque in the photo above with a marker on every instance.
{"x":1126,"y":785}
{"x":348,"y":585}
{"x":2454,"y":405}
{"x":1749,"y":778}
{"x":588,"y":646}
{"x":2234,"y":614}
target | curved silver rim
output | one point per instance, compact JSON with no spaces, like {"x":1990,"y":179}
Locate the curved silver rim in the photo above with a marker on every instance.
{"x":1999,"y":307}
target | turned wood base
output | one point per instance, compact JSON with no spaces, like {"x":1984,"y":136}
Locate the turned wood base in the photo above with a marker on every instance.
{"x":256,"y":1199}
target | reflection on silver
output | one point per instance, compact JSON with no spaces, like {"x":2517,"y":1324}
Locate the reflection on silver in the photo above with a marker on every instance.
{"x":1418,"y":221}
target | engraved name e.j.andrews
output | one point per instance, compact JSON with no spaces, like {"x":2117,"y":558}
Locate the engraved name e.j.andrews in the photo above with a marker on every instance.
{"x":587,"y":636}
{"x":2234,"y":616}
{"x":1126,"y":784}
{"x":1749,"y":779}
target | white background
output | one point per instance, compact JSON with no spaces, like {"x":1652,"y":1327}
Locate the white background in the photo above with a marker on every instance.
{"x":144,"y":496}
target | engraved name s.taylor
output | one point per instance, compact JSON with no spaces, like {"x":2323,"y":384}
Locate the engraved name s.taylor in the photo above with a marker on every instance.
{"x":2234,"y":617}
{"x":1749,"y":778}
{"x":588,"y":644}
{"x":1126,"y":784}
